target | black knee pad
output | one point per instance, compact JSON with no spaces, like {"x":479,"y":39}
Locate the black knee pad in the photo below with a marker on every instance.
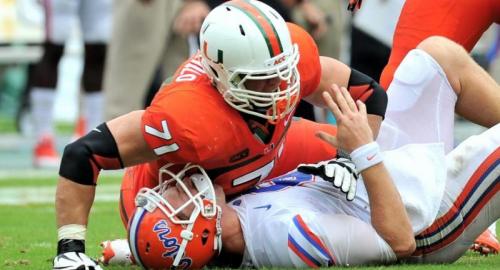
{"x":95,"y":55}
{"x":45,"y":71}
{"x":83,"y":159}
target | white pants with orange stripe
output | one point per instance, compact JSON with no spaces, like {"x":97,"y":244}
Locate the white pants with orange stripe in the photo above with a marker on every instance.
{"x":421,"y":92}
{"x":471,"y":201}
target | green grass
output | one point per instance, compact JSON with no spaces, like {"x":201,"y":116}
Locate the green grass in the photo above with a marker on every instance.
{"x":8,"y":125}
{"x":28,"y":234}
{"x":46,"y":181}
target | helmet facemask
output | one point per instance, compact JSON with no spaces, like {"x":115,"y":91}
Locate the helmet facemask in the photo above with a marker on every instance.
{"x":181,"y":218}
{"x":271,"y":105}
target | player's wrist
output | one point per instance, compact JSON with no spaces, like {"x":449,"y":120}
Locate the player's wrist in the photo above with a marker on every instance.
{"x":366,"y":156}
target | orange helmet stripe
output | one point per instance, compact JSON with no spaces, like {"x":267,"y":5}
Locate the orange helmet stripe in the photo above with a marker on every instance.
{"x":263,"y":23}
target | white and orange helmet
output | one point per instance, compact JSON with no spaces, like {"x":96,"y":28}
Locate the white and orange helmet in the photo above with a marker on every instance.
{"x":161,"y":238}
{"x":243,"y":40}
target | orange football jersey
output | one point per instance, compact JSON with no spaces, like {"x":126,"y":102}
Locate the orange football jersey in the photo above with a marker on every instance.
{"x":189,"y":121}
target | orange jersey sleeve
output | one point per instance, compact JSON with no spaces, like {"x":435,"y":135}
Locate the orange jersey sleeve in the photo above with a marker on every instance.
{"x":309,"y":66}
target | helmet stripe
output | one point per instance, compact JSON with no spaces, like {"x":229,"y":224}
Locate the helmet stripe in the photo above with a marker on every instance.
{"x":263,"y":23}
{"x":133,"y":234}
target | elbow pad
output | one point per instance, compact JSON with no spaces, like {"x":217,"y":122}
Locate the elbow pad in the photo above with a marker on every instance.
{"x":361,"y":87}
{"x":83,"y":159}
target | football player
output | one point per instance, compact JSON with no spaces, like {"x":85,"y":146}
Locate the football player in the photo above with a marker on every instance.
{"x":414,"y":203}
{"x":229,"y":108}
{"x":452,"y":19}
{"x":300,"y":220}
{"x":94,"y":18}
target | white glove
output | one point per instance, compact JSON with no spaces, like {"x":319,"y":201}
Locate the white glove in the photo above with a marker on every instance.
{"x":341,"y":172}
{"x":116,"y":252}
{"x":74,"y":261}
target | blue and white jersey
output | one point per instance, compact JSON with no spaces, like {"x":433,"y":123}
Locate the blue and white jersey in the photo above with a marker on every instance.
{"x":321,"y":228}
{"x":300,"y":220}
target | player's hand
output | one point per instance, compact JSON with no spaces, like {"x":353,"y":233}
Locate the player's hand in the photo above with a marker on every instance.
{"x":74,"y":261}
{"x":353,"y":129}
{"x":353,"y":5}
{"x":190,"y":18}
{"x":340,"y":172}
{"x":315,"y":18}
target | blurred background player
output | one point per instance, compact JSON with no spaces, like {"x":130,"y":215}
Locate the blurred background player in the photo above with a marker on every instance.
{"x":94,"y":20}
{"x":371,"y":42}
{"x":148,"y":42}
{"x":326,"y":21}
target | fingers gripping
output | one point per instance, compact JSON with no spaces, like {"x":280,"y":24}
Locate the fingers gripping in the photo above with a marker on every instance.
{"x":339,"y":172}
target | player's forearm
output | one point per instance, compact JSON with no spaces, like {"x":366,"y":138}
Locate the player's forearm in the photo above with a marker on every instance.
{"x":388,"y":215}
{"x":374,"y":121}
{"x":73,"y":202}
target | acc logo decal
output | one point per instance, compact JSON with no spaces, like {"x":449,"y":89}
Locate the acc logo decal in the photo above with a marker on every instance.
{"x":170,"y":243}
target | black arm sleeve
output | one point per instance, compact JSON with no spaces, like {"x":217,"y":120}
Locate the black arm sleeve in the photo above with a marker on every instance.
{"x":369,"y":91}
{"x":83,"y":159}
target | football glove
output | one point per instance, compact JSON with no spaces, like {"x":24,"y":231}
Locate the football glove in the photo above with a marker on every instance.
{"x":340,"y":172}
{"x":353,"y":5}
{"x":74,"y":261}
{"x":116,"y":252}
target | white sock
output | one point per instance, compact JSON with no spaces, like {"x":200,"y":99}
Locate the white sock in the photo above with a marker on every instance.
{"x":92,"y":109}
{"x":493,"y":228}
{"x":42,"y":108}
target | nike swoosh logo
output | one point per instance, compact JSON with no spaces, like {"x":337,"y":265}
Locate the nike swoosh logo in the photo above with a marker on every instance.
{"x":266,"y":207}
{"x":96,"y":129}
{"x":371,"y":157}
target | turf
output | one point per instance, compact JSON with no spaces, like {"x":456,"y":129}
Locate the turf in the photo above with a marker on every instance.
{"x":8,"y":125}
{"x":28,"y":233}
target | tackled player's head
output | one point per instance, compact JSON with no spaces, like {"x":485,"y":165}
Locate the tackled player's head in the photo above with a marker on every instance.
{"x":247,"y":51}
{"x":177,"y":223}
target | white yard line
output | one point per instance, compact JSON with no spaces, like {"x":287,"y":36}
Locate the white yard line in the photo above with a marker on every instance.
{"x":41,"y":195}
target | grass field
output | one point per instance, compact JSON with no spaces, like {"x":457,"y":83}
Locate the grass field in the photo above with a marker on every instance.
{"x":28,"y":230}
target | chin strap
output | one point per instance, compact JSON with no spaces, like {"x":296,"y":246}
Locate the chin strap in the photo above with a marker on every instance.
{"x":218,"y":233}
{"x":187,"y":235}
